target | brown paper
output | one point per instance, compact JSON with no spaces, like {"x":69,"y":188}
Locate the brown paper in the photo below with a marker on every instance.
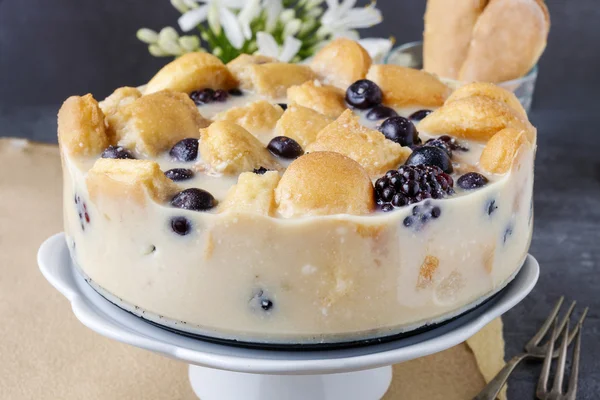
{"x":46,"y":353}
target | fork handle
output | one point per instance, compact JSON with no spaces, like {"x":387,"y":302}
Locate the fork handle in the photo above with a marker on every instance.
{"x":491,"y":390}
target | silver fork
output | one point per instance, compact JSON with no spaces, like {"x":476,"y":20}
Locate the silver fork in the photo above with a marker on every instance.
{"x":533,"y":349}
{"x":556,"y":393}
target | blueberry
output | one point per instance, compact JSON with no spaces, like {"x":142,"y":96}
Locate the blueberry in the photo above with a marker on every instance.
{"x":203,"y":96}
{"x":472,"y":180}
{"x":185,"y":150}
{"x":400,"y":130}
{"x":364,"y":94}
{"x":260,"y":171}
{"x":179,"y":174}
{"x":117,"y":152}
{"x":194,"y":199}
{"x":181,"y":225}
{"x":220,"y":95}
{"x":283,"y":105}
{"x":285,"y":147}
{"x":431,"y":156}
{"x":235,"y":92}
{"x":266,"y":304}
{"x":419,"y":115}
{"x":380,"y":112}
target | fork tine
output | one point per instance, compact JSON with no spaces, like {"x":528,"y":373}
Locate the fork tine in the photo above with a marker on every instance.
{"x":572,"y":390}
{"x":546,"y":325}
{"x":574,"y":332}
{"x":562,"y":359}
{"x":566,"y":317}
{"x":542,"y":385}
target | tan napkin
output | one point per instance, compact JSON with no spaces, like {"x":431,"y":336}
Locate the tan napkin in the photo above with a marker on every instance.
{"x":46,"y":353}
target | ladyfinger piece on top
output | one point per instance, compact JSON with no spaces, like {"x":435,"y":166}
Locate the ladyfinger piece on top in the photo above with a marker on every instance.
{"x":499,"y":153}
{"x":324,"y":183}
{"x":368,"y":147}
{"x":192,"y":71}
{"x":325,"y":99}
{"x":118,"y":181}
{"x":258,"y":118}
{"x":341,"y":62}
{"x":254,"y":193}
{"x":475,"y":117}
{"x":227,"y":148}
{"x":301,"y":124}
{"x":81,"y":128}
{"x":403,"y":86}
{"x":155,"y":122}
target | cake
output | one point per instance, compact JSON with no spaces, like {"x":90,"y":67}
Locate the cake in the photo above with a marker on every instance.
{"x":276,"y":203}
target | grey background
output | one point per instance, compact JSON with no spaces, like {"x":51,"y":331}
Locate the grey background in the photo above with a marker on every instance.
{"x":52,"y":49}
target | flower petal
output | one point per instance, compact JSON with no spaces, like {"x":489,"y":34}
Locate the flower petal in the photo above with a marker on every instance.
{"x":346,"y":6}
{"x":232,"y":28}
{"x":250,"y":11}
{"x":291,"y":46}
{"x":192,"y":18}
{"x":267,"y":46}
{"x":213,"y":18}
{"x":377,"y":48}
{"x":358,"y":18}
{"x":274,"y":8}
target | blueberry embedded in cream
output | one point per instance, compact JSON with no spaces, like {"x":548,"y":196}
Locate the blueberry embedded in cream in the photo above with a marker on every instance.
{"x":180,"y":225}
{"x":472,"y":180}
{"x":400,"y":130}
{"x":363,"y":94}
{"x":118,"y":152}
{"x":380,"y":112}
{"x":430,"y":156}
{"x":185,"y":150}
{"x":179,"y":174}
{"x":285,"y":147}
{"x":194,"y":199}
{"x":446,"y":143}
{"x":419,"y":115}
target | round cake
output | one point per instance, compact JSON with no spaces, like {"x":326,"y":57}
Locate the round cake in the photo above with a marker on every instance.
{"x":268,"y":202}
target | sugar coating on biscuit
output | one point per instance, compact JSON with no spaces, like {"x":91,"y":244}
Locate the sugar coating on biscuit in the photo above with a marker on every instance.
{"x":341,"y":62}
{"x":253,"y":193}
{"x":325,"y":99}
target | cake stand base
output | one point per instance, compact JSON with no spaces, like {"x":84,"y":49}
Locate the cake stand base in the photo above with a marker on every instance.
{"x":224,"y":372}
{"x":214,"y":384}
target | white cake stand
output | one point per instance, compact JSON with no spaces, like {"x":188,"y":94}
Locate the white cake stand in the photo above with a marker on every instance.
{"x":222,"y":372}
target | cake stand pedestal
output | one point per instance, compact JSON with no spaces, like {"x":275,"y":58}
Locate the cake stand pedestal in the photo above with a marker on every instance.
{"x":223,"y":372}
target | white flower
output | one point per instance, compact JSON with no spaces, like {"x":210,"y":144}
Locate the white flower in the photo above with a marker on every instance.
{"x":274,"y":8}
{"x":219,"y":14}
{"x":250,"y":11}
{"x":341,"y":19}
{"x":267,"y":46}
{"x":378,"y":48}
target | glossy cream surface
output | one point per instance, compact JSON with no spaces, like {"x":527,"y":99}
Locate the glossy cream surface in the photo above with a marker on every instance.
{"x":328,"y":278}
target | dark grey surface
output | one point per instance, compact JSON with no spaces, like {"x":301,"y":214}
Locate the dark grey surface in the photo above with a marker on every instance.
{"x":52,"y":49}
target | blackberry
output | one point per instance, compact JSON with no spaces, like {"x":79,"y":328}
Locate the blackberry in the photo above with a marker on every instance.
{"x":410,"y":184}
{"x":220,"y":96}
{"x":446,"y":143}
